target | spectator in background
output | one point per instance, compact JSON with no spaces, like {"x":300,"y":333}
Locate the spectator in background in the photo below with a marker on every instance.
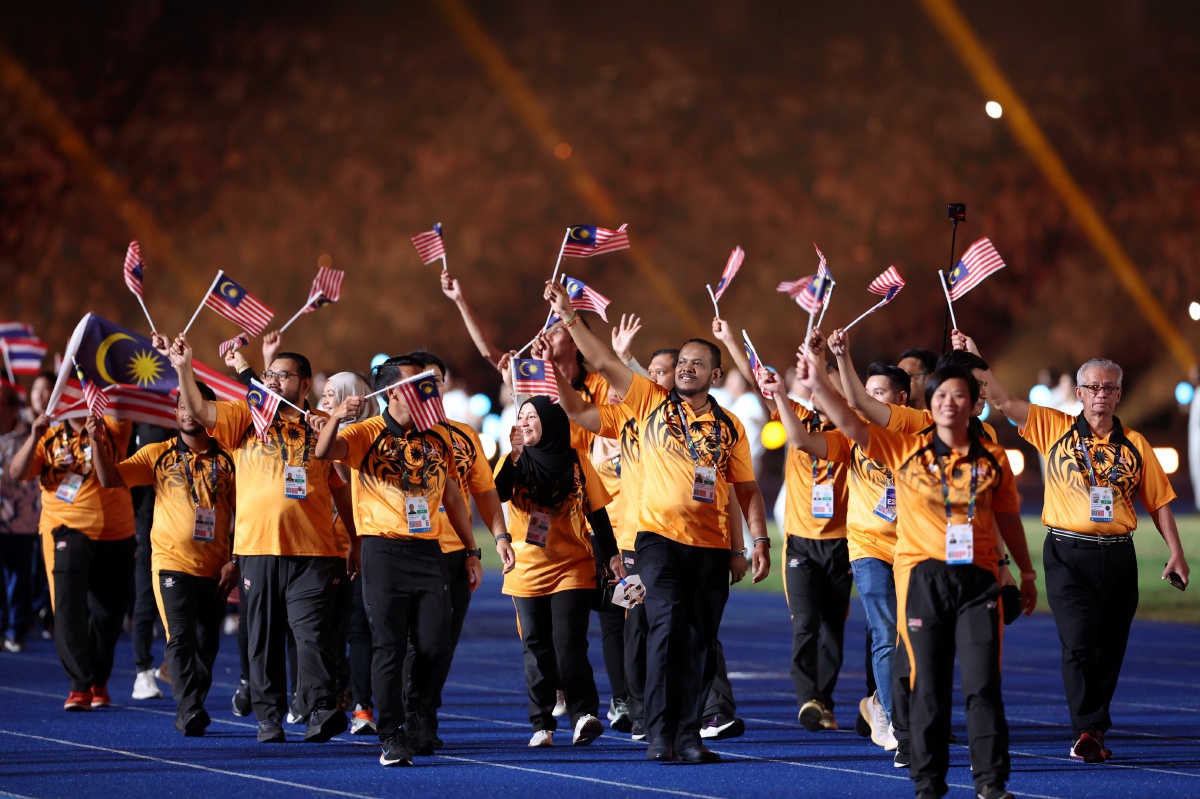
{"x":19,"y":511}
{"x":919,"y":364}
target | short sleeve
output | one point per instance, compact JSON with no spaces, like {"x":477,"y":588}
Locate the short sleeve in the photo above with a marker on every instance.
{"x":138,"y":469}
{"x":908,"y":420}
{"x":643,"y":396}
{"x":233,"y":418}
{"x":888,"y":446}
{"x":1006,"y":499}
{"x":739,"y":468}
{"x":612,"y":419}
{"x":1044,"y":426}
{"x":479,"y":478}
{"x":1155,"y":490}
{"x":838,"y":447}
{"x":358,"y":437}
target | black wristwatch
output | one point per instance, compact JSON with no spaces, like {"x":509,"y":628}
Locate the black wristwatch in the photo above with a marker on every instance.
{"x":1006,"y":561}
{"x":476,"y":552}
{"x":737,"y":553}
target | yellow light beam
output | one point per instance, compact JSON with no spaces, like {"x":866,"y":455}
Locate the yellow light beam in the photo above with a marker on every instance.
{"x":962,"y":38}
{"x":533,"y":116}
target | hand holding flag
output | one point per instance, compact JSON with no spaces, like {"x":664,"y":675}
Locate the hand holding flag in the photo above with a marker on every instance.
{"x":97,"y":401}
{"x":755,"y":363}
{"x":979,"y":261}
{"x":234,"y":344}
{"x":585,"y":298}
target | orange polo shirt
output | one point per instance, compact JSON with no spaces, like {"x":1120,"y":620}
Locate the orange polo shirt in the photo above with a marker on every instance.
{"x":474,"y":478}
{"x":868,"y":533}
{"x":801,"y":472}
{"x":102,"y":514}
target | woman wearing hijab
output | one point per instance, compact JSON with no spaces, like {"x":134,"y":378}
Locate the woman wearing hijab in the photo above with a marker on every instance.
{"x":355,"y":630}
{"x":553,"y":494}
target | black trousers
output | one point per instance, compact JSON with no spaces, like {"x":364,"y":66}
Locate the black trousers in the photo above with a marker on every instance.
{"x":145,"y":611}
{"x":554,"y":634}
{"x":192,"y":613}
{"x":358,"y":638}
{"x":16,"y":595}
{"x":953,"y":608}
{"x":460,"y":600}
{"x":818,"y":580}
{"x":901,"y":696}
{"x":686,"y":590}
{"x":720,"y":702}
{"x":1093,"y":593}
{"x":283,"y":592}
{"x":612,"y":646}
{"x":92,"y":580}
{"x":243,"y":638}
{"x":406,"y":592}
{"x":634,"y":647}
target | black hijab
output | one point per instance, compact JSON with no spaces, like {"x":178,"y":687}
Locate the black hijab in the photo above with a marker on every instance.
{"x":547,"y":469}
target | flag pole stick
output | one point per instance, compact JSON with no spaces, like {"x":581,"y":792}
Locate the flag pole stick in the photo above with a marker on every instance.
{"x":278,"y":396}
{"x":153,"y":329}
{"x":7,"y":363}
{"x":443,"y":260}
{"x":808,"y":332}
{"x":426,"y":373}
{"x":554,"y":277}
{"x":307,"y":303}
{"x":950,"y":305}
{"x":949,"y":302}
{"x":216,"y":279}
{"x":713,"y":297}
{"x":865,"y":314}
{"x":825,"y":307}
{"x":532,"y":341}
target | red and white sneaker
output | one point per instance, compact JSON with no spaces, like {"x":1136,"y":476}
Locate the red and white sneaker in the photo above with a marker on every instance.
{"x":78,"y":700}
{"x":1089,"y":747}
{"x":100,"y":697}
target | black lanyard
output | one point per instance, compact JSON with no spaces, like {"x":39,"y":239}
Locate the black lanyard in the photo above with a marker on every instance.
{"x":1083,"y":432}
{"x":946,"y":491}
{"x":184,"y":451}
{"x":67,"y":435}
{"x":283,"y":447}
{"x":425,"y":452}
{"x":817,"y":474}
{"x":687,"y":435}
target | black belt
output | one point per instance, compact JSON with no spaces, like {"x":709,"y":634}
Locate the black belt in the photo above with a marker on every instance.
{"x":1095,"y":538}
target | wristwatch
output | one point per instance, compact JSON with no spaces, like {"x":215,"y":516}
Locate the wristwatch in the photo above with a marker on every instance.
{"x":476,"y":552}
{"x":738,"y":553}
{"x":1006,"y":560}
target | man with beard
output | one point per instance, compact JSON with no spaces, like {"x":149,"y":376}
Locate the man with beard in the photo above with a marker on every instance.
{"x":193,"y":482}
{"x":285,"y":542}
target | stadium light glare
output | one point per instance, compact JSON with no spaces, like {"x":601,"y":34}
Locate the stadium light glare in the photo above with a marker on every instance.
{"x":1194,"y":311}
{"x":1016,"y":459}
{"x":993,"y":109}
{"x":1168,"y":457}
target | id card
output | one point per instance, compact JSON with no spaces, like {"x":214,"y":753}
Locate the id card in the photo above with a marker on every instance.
{"x":629,"y":592}
{"x":205,"y":527}
{"x":1101,"y":500}
{"x":538,"y":531}
{"x":418,"y":514}
{"x":886,"y":507}
{"x":822,"y":501}
{"x":69,"y":487}
{"x":960,"y":544}
{"x":295,"y":482}
{"x":704,"y":484}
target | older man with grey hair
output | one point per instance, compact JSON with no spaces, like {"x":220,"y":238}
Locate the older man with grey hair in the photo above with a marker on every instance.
{"x":1095,"y":469}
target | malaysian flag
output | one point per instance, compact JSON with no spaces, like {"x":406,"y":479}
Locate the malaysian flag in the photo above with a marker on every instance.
{"x":534,"y":376}
{"x":93,"y":397}
{"x":263,"y":404}
{"x":238,"y":305}
{"x":316,"y":302}
{"x":822,"y":267}
{"x":234,"y":344}
{"x":808,"y":292}
{"x":585,"y":298}
{"x":888,"y":284}
{"x":430,"y":245}
{"x":752,"y":357}
{"x":731,"y":268}
{"x":328,"y":282}
{"x":133,"y":268}
{"x":584,"y":241}
{"x":424,"y":401}
{"x":979,"y":261}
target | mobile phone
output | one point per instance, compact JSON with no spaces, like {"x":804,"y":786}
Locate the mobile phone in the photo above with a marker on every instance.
{"x":1175,"y":580}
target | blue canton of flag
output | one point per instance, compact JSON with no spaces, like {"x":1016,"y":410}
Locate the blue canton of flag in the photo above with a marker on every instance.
{"x":585,"y":298}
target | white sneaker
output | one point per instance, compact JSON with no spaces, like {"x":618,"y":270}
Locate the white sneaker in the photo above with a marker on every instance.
{"x":560,"y":705}
{"x":145,"y":686}
{"x":881,"y":730}
{"x":587,"y":729}
{"x":542,"y":738}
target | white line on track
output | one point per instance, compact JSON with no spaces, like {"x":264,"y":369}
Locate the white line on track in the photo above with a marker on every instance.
{"x":544,"y":772}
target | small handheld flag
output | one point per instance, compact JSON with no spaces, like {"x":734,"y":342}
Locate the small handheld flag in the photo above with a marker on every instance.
{"x":979,"y":261}
{"x":329,"y":283}
{"x":23,"y":356}
{"x":808,"y":292}
{"x":752,"y":357}
{"x":584,"y":241}
{"x":585,"y":298}
{"x":424,"y":401}
{"x":888,"y":284}
{"x":430,"y":245}
{"x":133,"y":276}
{"x":534,"y":376}
{"x":732,"y":265}
{"x":264,"y":404}
{"x":236,"y":304}
{"x":235,"y":343}
{"x":96,"y":400}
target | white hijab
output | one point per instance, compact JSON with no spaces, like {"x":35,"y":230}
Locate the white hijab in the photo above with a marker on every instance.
{"x":351,"y":384}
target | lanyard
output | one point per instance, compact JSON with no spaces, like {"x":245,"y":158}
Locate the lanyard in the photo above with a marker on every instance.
{"x":424,"y":458}
{"x":617,"y":465}
{"x":283,"y":447}
{"x":187,"y":469}
{"x":687,"y":434}
{"x":68,"y":434}
{"x":946,"y":491}
{"x":1091,"y":469}
{"x":817,"y":474}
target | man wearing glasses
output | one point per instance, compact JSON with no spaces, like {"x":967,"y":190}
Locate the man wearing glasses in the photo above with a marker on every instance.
{"x":1095,"y":468}
{"x":285,"y":543}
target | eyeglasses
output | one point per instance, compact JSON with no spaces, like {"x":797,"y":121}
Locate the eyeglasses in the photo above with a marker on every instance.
{"x":1105,"y":390}
{"x":269,"y":374}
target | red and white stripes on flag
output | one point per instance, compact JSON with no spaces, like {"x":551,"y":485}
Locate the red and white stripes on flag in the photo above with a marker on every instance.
{"x":238,"y":305}
{"x":822,"y":267}
{"x":235,"y":343}
{"x":585,"y":298}
{"x":133,"y":268}
{"x":24,"y":355}
{"x":888,"y":284}
{"x":424,"y":402}
{"x":731,"y":268}
{"x":584,"y":241}
{"x":93,"y":397}
{"x":808,"y":292}
{"x":329,"y":282}
{"x":979,"y":261}
{"x":430,"y":244}
{"x":534,"y":376}
{"x":263,"y":404}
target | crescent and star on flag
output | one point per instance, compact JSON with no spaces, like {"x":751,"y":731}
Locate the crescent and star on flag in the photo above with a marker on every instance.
{"x":142,"y":368}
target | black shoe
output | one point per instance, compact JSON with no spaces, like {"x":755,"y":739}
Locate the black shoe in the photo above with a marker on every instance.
{"x":718,"y":728}
{"x":423,"y":736}
{"x":325,"y":723}
{"x":992,"y":792}
{"x":637,"y":732}
{"x":697,"y":753}
{"x":196,"y":724}
{"x":902,"y":759}
{"x":270,"y":731}
{"x":396,"y":751}
{"x":660,"y":750}
{"x":241,"y":699}
{"x":618,"y":715}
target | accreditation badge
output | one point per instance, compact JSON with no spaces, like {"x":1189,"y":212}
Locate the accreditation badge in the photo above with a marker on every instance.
{"x":295,"y":482}
{"x":69,"y":487}
{"x":886,"y":507}
{"x":822,"y":501}
{"x":704,"y":484}
{"x":417,"y":513}
{"x":538,"y":532}
{"x":205,"y":526}
{"x":1101,"y":501}
{"x":960,"y":544}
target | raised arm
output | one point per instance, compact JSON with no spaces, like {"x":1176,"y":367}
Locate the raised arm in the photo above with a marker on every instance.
{"x":453,"y":290}
{"x":998,"y":395}
{"x":329,"y":446}
{"x":21,"y":465}
{"x":200,"y":409}
{"x":798,"y":435}
{"x":102,"y":458}
{"x":876,"y":412}
{"x":622,"y":337}
{"x":813,"y":377}
{"x":610,"y":367}
{"x":737,"y":353}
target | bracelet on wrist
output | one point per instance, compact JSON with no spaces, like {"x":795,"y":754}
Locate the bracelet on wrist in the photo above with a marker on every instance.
{"x":476,"y":553}
{"x":1028,"y":575}
{"x":763,"y":539}
{"x":572,"y":321}
{"x":737,"y":553}
{"x":504,"y":537}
